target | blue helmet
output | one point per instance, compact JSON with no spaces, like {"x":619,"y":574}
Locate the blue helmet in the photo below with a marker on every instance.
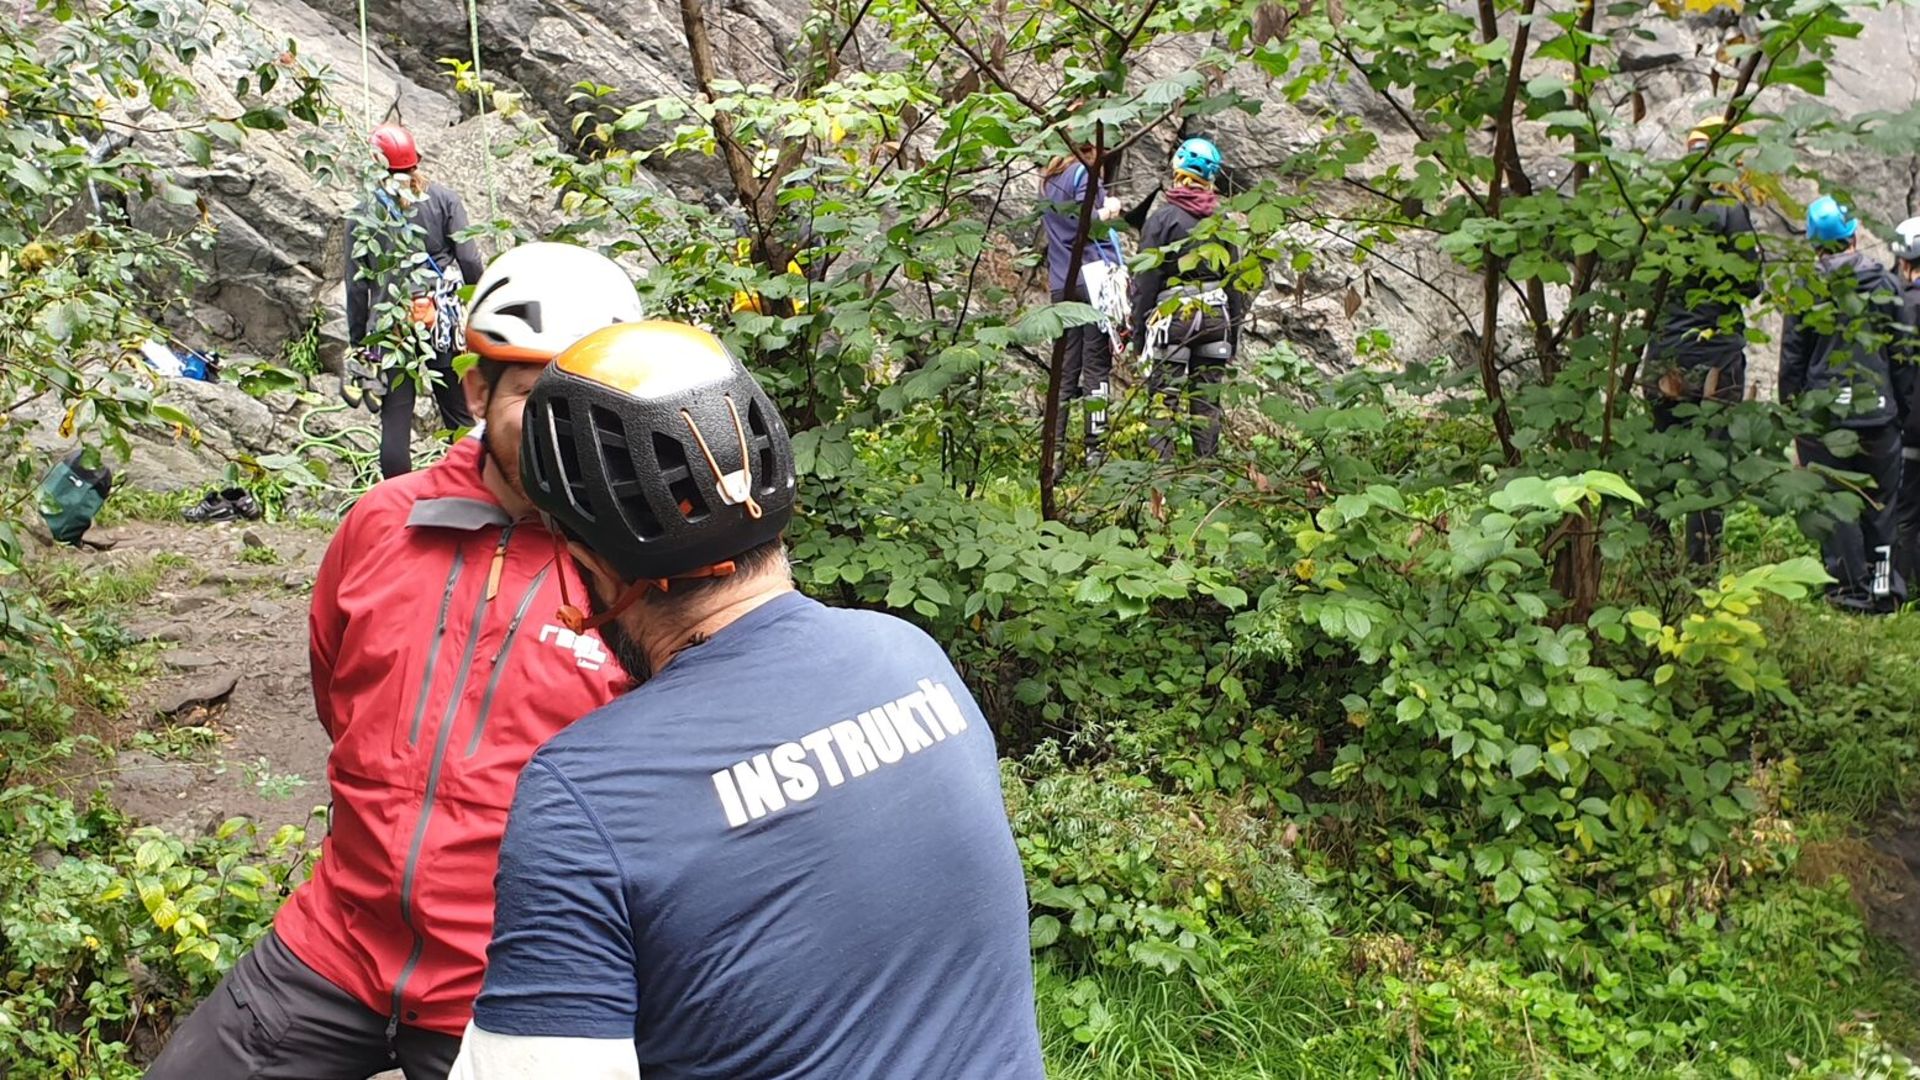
{"x":1199,"y":158}
{"x":1828,"y":222}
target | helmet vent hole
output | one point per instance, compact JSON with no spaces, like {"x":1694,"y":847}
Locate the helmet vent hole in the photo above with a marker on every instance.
{"x":527,"y":311}
{"x":674,"y":470}
{"x":567,"y":459}
{"x":761,"y":435}
{"x":623,"y":482}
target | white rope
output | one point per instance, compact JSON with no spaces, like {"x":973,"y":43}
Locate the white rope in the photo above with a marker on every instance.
{"x":366,"y":72}
{"x":480,"y":104}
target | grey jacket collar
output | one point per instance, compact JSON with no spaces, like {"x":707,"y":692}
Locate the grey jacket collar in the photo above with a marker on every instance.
{"x":470,"y":515}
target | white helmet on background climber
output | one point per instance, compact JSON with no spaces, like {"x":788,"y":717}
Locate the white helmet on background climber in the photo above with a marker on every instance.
{"x":1906,"y":240}
{"x":537,"y":299}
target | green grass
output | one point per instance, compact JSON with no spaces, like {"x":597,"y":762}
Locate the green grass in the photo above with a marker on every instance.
{"x":85,"y":588}
{"x":1786,"y":984}
{"x":1854,"y":732}
{"x":135,"y":504}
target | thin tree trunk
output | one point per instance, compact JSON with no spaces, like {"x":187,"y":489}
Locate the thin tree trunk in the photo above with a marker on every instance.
{"x":1050,"y":416}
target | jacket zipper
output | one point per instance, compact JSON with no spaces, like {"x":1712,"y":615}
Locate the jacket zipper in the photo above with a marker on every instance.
{"x":409,"y":876}
{"x":433,"y":649}
{"x":500,"y":660}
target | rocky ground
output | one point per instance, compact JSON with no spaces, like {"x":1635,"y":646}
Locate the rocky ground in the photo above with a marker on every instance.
{"x":225,"y":726}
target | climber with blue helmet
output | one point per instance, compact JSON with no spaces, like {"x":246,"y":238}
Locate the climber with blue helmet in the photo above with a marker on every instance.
{"x":1838,"y":365}
{"x":1698,"y":355}
{"x":1185,"y":323}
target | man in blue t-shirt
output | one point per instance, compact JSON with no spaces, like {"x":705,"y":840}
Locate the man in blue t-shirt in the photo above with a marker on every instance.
{"x":785,"y":854}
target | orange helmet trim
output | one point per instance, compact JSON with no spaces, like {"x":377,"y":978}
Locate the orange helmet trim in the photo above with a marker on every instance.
{"x":509,"y":354}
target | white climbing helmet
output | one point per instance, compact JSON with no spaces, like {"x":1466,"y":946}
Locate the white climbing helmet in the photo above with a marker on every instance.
{"x":537,"y":299}
{"x":1906,"y":240}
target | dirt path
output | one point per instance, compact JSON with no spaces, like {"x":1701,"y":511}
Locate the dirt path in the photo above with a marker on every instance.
{"x":227,"y":726}
{"x":1892,"y":895}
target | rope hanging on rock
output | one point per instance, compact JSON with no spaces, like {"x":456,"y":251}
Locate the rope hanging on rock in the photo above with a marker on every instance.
{"x":480,"y":103}
{"x":366,"y":72}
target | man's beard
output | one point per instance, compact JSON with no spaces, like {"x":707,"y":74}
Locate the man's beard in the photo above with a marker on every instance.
{"x":626,"y":651}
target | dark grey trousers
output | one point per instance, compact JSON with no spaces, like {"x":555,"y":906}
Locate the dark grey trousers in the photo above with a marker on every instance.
{"x":1860,"y":553}
{"x":275,"y":1018}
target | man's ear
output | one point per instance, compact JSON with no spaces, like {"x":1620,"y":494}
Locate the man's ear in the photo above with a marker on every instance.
{"x":478,"y":392}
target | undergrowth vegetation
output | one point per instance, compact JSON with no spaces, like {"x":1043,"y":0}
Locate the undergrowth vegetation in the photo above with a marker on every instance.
{"x":1394,"y":741}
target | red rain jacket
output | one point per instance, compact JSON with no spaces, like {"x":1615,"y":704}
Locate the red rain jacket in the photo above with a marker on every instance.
{"x":438,"y":669}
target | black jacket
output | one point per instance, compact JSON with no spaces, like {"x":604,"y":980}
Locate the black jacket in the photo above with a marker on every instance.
{"x":1701,"y":326}
{"x":439,"y":214}
{"x":1849,"y":342}
{"x":1169,"y":226}
{"x":1906,"y":366}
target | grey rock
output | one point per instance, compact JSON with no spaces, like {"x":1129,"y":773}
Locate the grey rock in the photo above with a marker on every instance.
{"x":299,"y":580}
{"x":240,"y":576}
{"x":1660,"y":47}
{"x":164,"y":632}
{"x":276,"y":260}
{"x":139,"y":771}
{"x":264,"y":609}
{"x":186,"y":603}
{"x":190,"y":661}
{"x":212,"y":690}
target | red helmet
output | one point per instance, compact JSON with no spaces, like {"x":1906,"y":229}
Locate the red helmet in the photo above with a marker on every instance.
{"x":395,"y":144}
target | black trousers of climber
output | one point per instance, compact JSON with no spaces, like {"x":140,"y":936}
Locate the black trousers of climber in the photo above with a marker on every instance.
{"x":1724,"y":383}
{"x":1859,"y":552}
{"x":1086,"y":372}
{"x":396,"y":413}
{"x":1191,"y":379}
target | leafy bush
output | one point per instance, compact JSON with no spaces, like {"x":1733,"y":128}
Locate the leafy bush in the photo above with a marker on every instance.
{"x":107,"y":932}
{"x":1533,"y":781}
{"x":1125,"y":875}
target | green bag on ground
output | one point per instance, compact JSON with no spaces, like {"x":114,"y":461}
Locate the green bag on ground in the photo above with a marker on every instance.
{"x":71,"y":495}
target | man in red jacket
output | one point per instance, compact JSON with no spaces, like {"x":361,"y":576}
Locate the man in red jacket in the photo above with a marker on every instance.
{"x":437,"y":671}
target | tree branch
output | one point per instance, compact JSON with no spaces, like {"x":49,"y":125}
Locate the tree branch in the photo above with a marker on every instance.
{"x":979,"y":62}
{"x":1490,"y":292}
{"x":1050,"y":415}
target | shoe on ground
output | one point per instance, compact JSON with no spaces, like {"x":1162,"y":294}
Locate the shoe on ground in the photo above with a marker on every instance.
{"x":227,"y":504}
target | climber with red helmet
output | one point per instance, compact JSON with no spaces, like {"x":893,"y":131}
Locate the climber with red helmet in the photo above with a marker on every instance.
{"x":438,"y":668}
{"x":430,"y":216}
{"x":784,"y":854}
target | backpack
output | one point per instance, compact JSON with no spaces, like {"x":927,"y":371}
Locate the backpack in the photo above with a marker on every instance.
{"x":71,"y":495}
{"x":437,"y":313}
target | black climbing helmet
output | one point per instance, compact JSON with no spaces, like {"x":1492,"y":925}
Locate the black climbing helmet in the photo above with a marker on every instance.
{"x":650,"y":444}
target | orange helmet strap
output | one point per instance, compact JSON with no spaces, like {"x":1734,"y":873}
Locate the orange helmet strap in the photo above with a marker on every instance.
{"x":579,"y":622}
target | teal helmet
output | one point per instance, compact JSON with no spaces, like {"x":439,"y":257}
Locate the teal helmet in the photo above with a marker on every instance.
{"x":1198,"y":158}
{"x":1828,"y":222}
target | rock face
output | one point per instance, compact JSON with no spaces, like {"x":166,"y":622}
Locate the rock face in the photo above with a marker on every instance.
{"x":233,"y":426}
{"x":277,"y":262}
